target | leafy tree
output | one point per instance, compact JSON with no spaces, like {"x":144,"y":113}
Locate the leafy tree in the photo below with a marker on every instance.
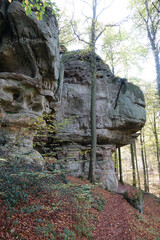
{"x":146,"y":16}
{"x":153,"y":121}
{"x":66,"y":35}
{"x":120,"y":50}
{"x":39,"y":7}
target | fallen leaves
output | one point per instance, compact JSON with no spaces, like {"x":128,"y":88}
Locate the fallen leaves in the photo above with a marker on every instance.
{"x":63,"y":214}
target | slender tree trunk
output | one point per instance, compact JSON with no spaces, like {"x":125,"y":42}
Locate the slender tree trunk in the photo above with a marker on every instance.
{"x":155,"y":50}
{"x":157,"y":143}
{"x":120,"y":165}
{"x":133,"y":165}
{"x":116,"y":162}
{"x":146,"y":164}
{"x":143,"y":162}
{"x":157,"y":63}
{"x":136,"y":160}
{"x":93,"y":97}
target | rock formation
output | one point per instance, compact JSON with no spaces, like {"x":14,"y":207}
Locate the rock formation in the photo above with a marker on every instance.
{"x":119,"y":116}
{"x":31,"y":83}
{"x":29,"y":71}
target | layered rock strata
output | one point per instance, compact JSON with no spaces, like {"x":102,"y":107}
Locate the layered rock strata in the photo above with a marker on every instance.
{"x":29,"y":72}
{"x":120,"y":114}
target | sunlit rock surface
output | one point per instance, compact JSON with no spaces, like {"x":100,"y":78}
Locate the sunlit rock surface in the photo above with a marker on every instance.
{"x":118,"y":119}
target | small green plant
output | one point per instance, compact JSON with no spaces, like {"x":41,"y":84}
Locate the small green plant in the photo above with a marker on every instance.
{"x":99,"y":203}
{"x":69,"y":235}
{"x":84,"y":230}
{"x":154,"y":232}
{"x":47,"y":230}
{"x":30,"y":209}
{"x":140,"y":217}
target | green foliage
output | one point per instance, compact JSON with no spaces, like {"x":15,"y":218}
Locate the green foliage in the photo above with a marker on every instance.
{"x":66,"y":35}
{"x":47,"y":230}
{"x":17,"y":182}
{"x":69,"y":234}
{"x":39,"y":7}
{"x":140,"y":217}
{"x":99,"y":203}
{"x":31,"y":209}
{"x":121,"y":50}
{"x":84,"y":230}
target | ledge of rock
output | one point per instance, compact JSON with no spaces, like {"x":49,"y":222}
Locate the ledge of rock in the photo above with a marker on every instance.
{"x":119,"y":117}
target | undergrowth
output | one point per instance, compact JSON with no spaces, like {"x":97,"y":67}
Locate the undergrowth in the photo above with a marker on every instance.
{"x":18,"y":183}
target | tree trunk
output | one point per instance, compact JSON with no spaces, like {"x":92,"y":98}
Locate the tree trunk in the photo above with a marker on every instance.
{"x":135,"y":155}
{"x":143,"y":162}
{"x":120,"y":166}
{"x":116,"y":162}
{"x":133,"y":165}
{"x":93,"y":97}
{"x":152,"y":37}
{"x":157,"y":64}
{"x":146,"y":164}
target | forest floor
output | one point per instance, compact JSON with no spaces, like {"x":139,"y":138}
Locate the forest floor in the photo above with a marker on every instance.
{"x":78,"y":210}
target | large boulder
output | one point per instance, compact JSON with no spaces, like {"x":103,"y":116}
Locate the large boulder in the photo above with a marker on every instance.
{"x":120,"y":113}
{"x":29,"y":72}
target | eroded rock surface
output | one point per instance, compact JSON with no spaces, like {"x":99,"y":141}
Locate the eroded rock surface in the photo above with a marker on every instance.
{"x":29,"y":72}
{"x":117,"y":121}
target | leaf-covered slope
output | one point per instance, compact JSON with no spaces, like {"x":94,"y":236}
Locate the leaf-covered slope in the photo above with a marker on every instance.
{"x":78,"y":210}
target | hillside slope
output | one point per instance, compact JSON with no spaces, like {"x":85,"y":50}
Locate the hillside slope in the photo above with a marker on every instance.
{"x":77,"y":210}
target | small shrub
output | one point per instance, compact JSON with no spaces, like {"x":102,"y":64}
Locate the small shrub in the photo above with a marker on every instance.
{"x":69,"y":235}
{"x":99,"y":203}
{"x":18,"y":181}
{"x":84,"y":230}
{"x":46,"y":231}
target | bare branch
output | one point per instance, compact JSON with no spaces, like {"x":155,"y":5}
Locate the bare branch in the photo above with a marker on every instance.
{"x":104,"y":9}
{"x":110,"y":25}
{"x":77,"y":35}
{"x":87,"y":3}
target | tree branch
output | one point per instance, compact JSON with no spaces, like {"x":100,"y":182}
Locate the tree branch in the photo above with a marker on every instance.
{"x":110,"y":25}
{"x":158,"y":10}
{"x":77,"y":35}
{"x":104,"y":9}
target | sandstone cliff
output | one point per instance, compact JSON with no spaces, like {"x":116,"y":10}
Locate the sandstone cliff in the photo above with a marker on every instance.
{"x":119,"y":117}
{"x":29,"y":71}
{"x":32,"y":83}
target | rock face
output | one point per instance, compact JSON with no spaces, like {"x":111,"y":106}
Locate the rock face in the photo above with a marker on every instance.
{"x":29,"y":72}
{"x":31,"y":83}
{"x":119,"y":116}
